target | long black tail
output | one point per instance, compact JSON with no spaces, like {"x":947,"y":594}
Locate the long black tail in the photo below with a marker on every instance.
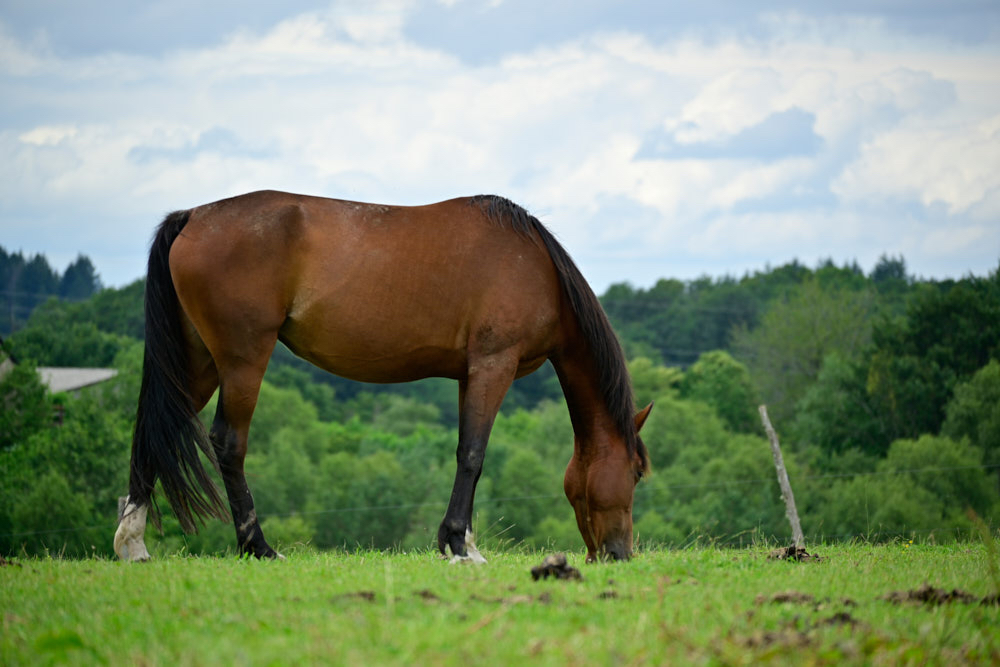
{"x":168,"y":433}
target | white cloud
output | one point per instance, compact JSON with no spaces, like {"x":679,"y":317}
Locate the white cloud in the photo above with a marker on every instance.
{"x":954,"y":165}
{"x":48,"y":135}
{"x":729,"y":103}
{"x":18,"y":59}
{"x":946,"y":242}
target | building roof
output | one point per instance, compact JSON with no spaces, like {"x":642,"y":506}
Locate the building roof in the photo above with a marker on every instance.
{"x":71,"y":379}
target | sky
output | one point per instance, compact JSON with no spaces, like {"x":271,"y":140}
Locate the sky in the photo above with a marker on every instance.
{"x":656,"y":140}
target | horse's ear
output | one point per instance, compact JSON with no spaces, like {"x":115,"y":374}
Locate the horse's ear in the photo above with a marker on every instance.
{"x":640,"y":418}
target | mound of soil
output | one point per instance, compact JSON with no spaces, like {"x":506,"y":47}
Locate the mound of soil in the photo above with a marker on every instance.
{"x":368,"y":596}
{"x":428,"y":595}
{"x":927,"y":594}
{"x":555,"y":566}
{"x":787,"y":596}
{"x":544,"y":598}
{"x":793,"y":553}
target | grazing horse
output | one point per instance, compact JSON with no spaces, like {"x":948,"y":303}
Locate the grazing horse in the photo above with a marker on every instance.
{"x":472,"y":289}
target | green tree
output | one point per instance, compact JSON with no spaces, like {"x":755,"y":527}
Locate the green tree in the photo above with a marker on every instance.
{"x":60,"y":484}
{"x":837,"y":414}
{"x":49,"y":517}
{"x":679,"y":430}
{"x":25,"y":283}
{"x":952,"y":471}
{"x":786,"y":352}
{"x":724,"y":383}
{"x":288,"y":531}
{"x":523,"y":493}
{"x":362,"y":501}
{"x":57,"y":335}
{"x":674,"y":322}
{"x":545,"y":430}
{"x":276,"y":408}
{"x":951,"y":330}
{"x":402,"y":415}
{"x":890,"y":279}
{"x":116,"y":310}
{"x":974,"y":413}
{"x":80,"y":280}
{"x":651,"y":380}
{"x":321,"y":395}
{"x":718,"y":487}
{"x":922,"y":485}
{"x":25,"y":405}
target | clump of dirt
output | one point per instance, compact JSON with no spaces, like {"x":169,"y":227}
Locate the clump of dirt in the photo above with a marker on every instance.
{"x":368,"y":596}
{"x":544,"y":598}
{"x":428,"y":595}
{"x":787,"y":638}
{"x":555,"y":566}
{"x":841,"y":618}
{"x":793,"y":552}
{"x":797,"y":597}
{"x":787,"y":596}
{"x":798,"y":631}
{"x":929,"y":595}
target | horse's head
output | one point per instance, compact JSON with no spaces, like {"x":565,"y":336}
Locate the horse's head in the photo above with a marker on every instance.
{"x":600,"y":484}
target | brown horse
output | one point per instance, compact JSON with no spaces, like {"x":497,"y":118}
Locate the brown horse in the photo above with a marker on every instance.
{"x":473,"y":289}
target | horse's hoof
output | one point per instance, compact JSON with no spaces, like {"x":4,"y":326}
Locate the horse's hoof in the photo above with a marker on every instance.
{"x":473,"y":557}
{"x":472,"y":553}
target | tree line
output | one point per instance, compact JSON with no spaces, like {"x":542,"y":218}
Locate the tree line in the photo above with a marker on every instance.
{"x":26,"y":282}
{"x":884,"y":388}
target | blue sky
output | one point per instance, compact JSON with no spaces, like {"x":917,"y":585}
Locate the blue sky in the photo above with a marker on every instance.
{"x":655,"y":139}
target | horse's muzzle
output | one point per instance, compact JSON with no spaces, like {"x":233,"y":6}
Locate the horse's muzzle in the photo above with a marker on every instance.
{"x":615,"y":551}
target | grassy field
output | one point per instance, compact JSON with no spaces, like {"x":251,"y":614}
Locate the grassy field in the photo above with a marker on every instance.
{"x":700,"y":605}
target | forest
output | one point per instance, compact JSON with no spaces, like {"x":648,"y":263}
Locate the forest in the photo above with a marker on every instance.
{"x":883,"y":387}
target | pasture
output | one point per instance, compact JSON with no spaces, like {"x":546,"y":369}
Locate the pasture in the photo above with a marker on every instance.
{"x":699,"y":605}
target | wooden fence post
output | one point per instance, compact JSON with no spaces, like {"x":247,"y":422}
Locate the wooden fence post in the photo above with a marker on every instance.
{"x":786,"y":487}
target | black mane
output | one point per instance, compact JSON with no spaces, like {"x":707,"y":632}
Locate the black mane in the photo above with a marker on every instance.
{"x":616,"y":387}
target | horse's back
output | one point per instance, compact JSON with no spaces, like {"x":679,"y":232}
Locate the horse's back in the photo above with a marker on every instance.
{"x":368,"y":291}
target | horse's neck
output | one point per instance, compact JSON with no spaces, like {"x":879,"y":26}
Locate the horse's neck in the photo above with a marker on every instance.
{"x":593,"y":425}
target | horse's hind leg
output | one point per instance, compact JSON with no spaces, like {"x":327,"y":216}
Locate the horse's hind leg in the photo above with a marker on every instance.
{"x":238,"y":390}
{"x":129,"y":543}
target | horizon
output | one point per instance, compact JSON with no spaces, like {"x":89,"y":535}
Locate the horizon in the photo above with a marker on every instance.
{"x":718,"y":278}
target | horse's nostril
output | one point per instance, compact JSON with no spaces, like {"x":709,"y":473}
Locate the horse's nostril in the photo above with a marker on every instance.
{"x":616,"y":552}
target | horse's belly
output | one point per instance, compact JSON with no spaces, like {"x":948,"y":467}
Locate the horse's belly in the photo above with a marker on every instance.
{"x":372,"y":351}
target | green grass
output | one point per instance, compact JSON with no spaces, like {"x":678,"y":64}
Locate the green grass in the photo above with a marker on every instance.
{"x":701,"y":605}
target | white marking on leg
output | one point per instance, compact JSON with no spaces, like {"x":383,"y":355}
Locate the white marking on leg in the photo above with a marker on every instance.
{"x":246,"y":529}
{"x":250,"y":522}
{"x":129,"y":544}
{"x":470,"y":548}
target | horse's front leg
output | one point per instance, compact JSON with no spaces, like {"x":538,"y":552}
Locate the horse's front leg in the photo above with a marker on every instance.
{"x":455,"y":532}
{"x":479,"y":399}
